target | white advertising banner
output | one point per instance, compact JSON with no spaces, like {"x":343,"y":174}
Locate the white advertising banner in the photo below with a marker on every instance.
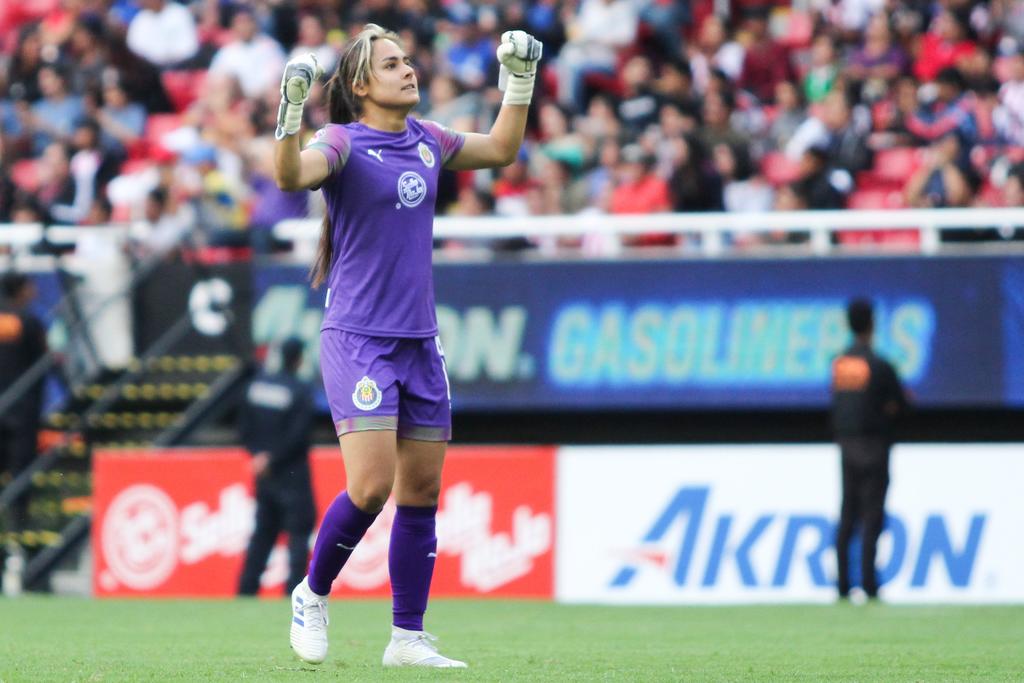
{"x":744,"y":524}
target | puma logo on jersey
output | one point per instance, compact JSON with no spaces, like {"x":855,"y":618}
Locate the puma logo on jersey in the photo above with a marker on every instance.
{"x":376,"y":154}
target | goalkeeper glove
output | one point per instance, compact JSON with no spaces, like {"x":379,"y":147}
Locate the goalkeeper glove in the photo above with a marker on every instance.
{"x":518,"y":54}
{"x":299,"y":74}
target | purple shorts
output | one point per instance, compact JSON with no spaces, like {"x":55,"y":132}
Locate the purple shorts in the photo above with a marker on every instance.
{"x":386,"y":383}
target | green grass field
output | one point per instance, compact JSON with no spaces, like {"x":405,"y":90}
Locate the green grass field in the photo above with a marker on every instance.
{"x":60,"y":639}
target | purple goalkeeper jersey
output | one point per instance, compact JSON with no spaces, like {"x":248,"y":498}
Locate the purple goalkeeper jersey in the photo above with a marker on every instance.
{"x":380,"y":192}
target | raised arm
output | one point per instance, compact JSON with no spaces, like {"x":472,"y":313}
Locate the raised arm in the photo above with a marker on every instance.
{"x":294,"y":168}
{"x":518,"y":54}
{"x":497,"y":148}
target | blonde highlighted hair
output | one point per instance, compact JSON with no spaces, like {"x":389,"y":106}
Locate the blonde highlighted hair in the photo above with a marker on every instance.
{"x":343,"y":106}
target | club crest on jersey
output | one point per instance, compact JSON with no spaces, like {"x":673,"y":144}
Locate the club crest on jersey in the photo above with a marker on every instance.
{"x":426,"y":155}
{"x":366,"y":396}
{"x":411,"y":189}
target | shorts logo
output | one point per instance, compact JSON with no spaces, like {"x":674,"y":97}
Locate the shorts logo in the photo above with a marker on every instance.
{"x":426,"y":155}
{"x":366,"y":396}
{"x":411,"y":189}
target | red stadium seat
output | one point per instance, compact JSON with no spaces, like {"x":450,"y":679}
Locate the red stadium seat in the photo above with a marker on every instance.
{"x":779,"y":169}
{"x":990,"y":195}
{"x":897,"y":238}
{"x":158,"y":125}
{"x":183,"y":87}
{"x":890,"y":237}
{"x":25,"y":174}
{"x":699,"y":10}
{"x":797,"y":30}
{"x":870,"y":180}
{"x":898,"y":163}
{"x":876,"y":199}
{"x":135,"y":166}
{"x":607,"y":83}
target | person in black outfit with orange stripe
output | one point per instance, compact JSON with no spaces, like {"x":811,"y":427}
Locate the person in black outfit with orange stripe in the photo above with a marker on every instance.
{"x":867,"y":398}
{"x":22,"y":344}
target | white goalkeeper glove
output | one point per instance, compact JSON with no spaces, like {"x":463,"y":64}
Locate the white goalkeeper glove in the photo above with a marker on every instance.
{"x":518,"y":54}
{"x":297,"y":81}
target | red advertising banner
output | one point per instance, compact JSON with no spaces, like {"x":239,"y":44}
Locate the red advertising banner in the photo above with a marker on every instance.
{"x":177,"y":523}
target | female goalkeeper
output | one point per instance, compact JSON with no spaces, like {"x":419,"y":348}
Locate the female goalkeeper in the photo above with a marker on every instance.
{"x":383,"y":365}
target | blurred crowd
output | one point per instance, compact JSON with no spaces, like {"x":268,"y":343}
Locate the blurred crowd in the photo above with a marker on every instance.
{"x":161,"y":112}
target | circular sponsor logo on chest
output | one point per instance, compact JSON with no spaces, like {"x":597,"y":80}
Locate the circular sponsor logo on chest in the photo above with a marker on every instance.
{"x":411,"y":188}
{"x":426,"y":155}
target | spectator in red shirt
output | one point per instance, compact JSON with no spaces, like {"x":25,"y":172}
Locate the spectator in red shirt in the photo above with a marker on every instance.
{"x":640,"y":190}
{"x":766,"y":63}
{"x":947,"y":43}
{"x":512,"y":187}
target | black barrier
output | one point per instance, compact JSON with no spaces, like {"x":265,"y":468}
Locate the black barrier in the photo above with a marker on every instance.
{"x":218,"y":298}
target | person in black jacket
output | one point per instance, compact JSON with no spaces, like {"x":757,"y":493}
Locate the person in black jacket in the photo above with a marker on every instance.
{"x":22,"y":343}
{"x":275,"y":426}
{"x":867,"y":397}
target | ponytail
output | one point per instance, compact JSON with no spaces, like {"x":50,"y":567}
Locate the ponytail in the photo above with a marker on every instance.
{"x":344,"y":106}
{"x":321,"y":267}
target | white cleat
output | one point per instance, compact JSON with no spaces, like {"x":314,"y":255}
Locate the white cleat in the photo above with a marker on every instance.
{"x":309,"y":624}
{"x":416,"y":648}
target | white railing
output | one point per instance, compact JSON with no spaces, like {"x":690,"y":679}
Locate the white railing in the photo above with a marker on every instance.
{"x":713,"y":228}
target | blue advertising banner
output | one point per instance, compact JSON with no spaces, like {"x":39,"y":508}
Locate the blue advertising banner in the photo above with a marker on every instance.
{"x":679,"y":334}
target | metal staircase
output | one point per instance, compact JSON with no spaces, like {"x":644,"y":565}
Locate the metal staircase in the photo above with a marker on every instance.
{"x":161,"y":399}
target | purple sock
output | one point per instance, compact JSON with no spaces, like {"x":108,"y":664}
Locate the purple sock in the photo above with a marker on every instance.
{"x":411,"y":563}
{"x":342,"y":528}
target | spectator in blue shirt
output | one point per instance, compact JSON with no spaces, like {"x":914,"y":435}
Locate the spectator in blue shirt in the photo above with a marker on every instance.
{"x":53,"y":117}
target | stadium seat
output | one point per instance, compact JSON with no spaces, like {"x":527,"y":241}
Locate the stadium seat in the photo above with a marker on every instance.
{"x":897,"y":238}
{"x":797,"y":28}
{"x":158,"y":125}
{"x":990,"y":195}
{"x":898,"y":163}
{"x":602,"y":82}
{"x":876,"y":199}
{"x":779,"y":169}
{"x":870,"y":180}
{"x":135,"y":166}
{"x":549,"y":80}
{"x":25,"y":174}
{"x":699,"y":10}
{"x":183,"y":87}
